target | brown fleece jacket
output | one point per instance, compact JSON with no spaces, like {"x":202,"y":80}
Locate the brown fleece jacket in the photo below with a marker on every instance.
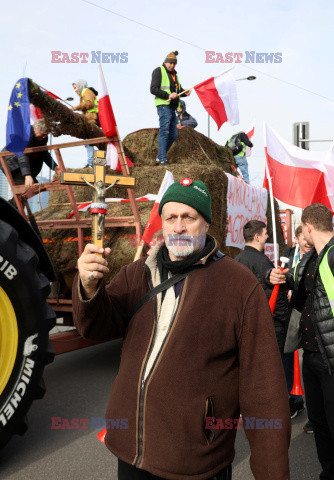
{"x":87,"y":100}
{"x":219,"y":358}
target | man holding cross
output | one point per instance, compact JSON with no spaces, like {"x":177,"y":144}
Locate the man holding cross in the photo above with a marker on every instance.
{"x":198,"y":350}
{"x":166,"y":88}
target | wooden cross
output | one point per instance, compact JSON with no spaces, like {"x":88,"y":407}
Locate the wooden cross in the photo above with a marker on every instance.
{"x":98,"y":182}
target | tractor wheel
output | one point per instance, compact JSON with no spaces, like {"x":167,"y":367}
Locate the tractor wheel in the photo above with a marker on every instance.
{"x":25,"y":321}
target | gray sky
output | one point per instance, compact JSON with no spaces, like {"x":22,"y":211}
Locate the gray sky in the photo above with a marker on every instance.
{"x":300,"y":30}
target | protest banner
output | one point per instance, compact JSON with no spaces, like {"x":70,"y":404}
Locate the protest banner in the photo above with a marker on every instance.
{"x":244,"y":203}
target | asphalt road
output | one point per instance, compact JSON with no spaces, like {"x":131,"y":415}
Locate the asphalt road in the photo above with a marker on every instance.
{"x":78,"y":385}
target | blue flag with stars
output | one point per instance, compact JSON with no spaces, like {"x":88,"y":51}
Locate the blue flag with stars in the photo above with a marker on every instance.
{"x":18,"y":120}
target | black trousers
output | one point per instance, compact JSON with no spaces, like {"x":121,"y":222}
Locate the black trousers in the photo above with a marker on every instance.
{"x":129,"y":472}
{"x":319,"y":393}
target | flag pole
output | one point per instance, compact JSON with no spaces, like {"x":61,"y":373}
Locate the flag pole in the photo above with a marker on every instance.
{"x":273,"y":221}
{"x":45,"y":90}
{"x":139,"y":250}
{"x":188,"y":90}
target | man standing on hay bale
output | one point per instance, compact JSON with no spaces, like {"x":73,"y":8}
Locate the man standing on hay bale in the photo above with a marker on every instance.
{"x":90,"y":108}
{"x":26,"y":167}
{"x":165,"y":85}
{"x":240,"y":146}
{"x":195,"y":354}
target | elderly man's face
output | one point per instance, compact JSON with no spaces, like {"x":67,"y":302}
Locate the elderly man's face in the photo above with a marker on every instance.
{"x":184,"y":230}
{"x":170,"y":66}
{"x":76,"y":89}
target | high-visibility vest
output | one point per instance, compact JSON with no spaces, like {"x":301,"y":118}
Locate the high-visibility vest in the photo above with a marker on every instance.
{"x":243,"y":151}
{"x":95,"y":109}
{"x":165,"y":85}
{"x":234,"y":142}
{"x":327,"y":279}
{"x":326,"y":276}
{"x":294,"y":272}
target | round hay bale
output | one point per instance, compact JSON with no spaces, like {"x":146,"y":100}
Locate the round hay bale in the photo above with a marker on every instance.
{"x":190,"y":147}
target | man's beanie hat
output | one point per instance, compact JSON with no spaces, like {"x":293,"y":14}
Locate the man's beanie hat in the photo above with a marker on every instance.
{"x":171,"y":57}
{"x":195,"y":194}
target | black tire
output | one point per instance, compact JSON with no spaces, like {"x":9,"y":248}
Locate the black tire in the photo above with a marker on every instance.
{"x":26,"y":290}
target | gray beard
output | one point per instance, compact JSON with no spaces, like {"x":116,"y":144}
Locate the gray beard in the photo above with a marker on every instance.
{"x":182,"y":252}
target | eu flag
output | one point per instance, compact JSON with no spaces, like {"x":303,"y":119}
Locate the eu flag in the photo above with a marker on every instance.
{"x":18,"y":120}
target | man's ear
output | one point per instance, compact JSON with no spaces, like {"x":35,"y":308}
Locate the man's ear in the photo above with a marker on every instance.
{"x":309,"y":227}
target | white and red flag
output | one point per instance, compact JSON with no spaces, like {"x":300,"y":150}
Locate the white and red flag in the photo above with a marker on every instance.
{"x":250,"y":135}
{"x":219,"y":98}
{"x":299,"y":177}
{"x":113,"y":158}
{"x":108,"y":123}
{"x":154,"y":223}
{"x":251,"y":132}
{"x":35,"y":112}
{"x":106,"y":114}
{"x":83,"y":207}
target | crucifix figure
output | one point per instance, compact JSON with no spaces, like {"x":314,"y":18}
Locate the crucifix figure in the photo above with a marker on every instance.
{"x":99,"y":207}
{"x":100,"y":183}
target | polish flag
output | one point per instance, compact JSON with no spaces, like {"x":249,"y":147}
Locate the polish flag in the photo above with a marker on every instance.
{"x":83,"y":207}
{"x":35,"y":113}
{"x":154,"y":223}
{"x":53,"y":95}
{"x":219,"y":98}
{"x":113,"y":158}
{"x":250,"y":134}
{"x":299,"y":177}
{"x":106,"y":114}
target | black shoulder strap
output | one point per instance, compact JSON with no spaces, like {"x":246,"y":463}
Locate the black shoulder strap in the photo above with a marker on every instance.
{"x":159,"y":288}
{"x":218,"y":255}
{"x":167,"y":284}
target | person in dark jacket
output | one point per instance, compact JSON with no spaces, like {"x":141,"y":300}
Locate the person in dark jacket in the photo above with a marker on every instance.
{"x":25,"y":168}
{"x":192,"y":357}
{"x":237,"y":144}
{"x":295,"y":254}
{"x":184,"y":118}
{"x":165,"y":85}
{"x":253,"y":257}
{"x":311,"y":327}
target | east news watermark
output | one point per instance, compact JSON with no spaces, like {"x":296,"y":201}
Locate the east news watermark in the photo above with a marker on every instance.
{"x":211,"y":423}
{"x":57,"y":56}
{"x":249,"y":56}
{"x":61,"y":423}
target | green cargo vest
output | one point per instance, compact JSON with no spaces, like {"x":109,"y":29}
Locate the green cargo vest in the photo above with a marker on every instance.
{"x":327,"y":279}
{"x":326,"y":276}
{"x":165,"y":85}
{"x":95,"y":109}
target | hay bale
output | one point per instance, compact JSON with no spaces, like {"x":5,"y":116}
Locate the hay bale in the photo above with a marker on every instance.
{"x":190,"y":148}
